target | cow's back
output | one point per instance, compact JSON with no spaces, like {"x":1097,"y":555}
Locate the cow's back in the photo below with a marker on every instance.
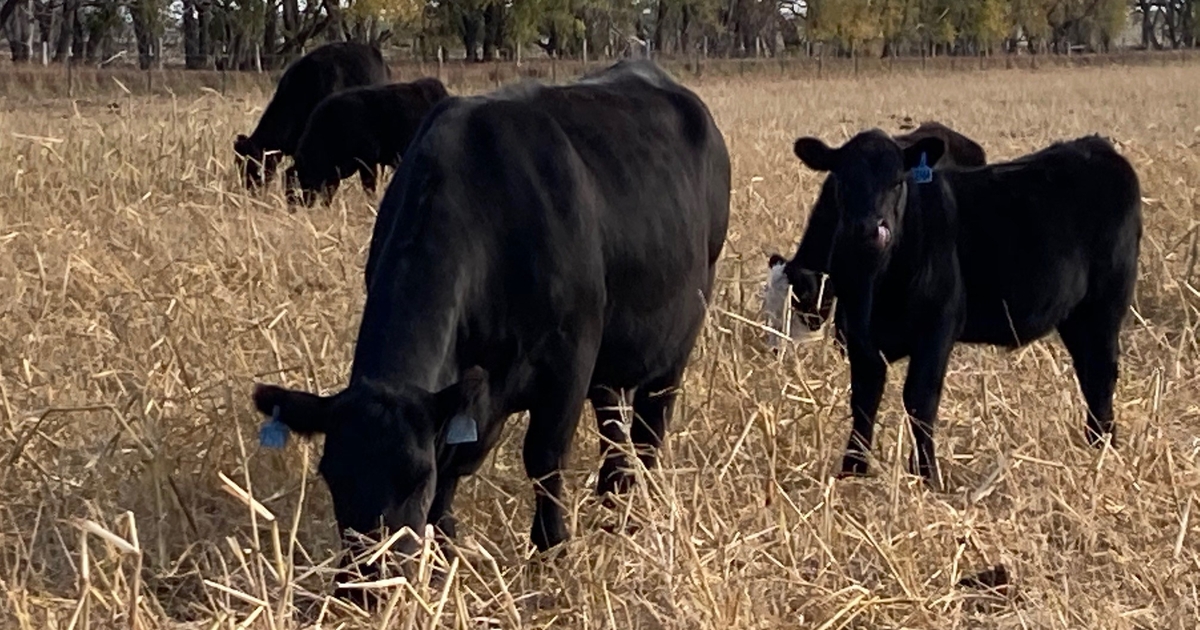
{"x":1042,"y":232}
{"x":610,"y":196}
{"x":308,"y":80}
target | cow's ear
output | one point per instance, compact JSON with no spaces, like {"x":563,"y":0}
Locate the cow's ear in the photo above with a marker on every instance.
{"x":302,"y":412}
{"x":241,"y":143}
{"x":775,"y":260}
{"x":462,"y":408}
{"x":815,"y":154}
{"x":932,"y":147}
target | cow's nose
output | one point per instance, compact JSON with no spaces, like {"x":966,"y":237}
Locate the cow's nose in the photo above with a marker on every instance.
{"x":875,"y":232}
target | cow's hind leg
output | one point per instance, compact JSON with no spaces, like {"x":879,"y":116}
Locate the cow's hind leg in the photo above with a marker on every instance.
{"x":611,"y":409}
{"x":653,"y":404}
{"x":1090,"y":335}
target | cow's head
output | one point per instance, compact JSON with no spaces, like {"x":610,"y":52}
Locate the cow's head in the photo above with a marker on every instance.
{"x":381,"y":447}
{"x":303,"y":186}
{"x":871,"y":173}
{"x":248,"y":157}
{"x":812,"y":291}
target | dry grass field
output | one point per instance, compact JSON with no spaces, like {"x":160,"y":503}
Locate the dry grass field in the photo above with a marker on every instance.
{"x":142,"y":292}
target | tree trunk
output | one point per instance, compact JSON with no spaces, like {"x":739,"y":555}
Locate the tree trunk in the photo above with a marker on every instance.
{"x":468,"y":30}
{"x":659,"y":23}
{"x":18,"y":29}
{"x":192,"y":57}
{"x":270,"y":33}
{"x":493,"y":30}
{"x":145,"y":16}
{"x":6,"y":11}
{"x":66,"y":30}
{"x":43,"y":14}
{"x":685,"y":22}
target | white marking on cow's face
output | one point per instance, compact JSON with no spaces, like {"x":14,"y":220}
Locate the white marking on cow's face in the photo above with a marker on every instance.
{"x":777,"y":309}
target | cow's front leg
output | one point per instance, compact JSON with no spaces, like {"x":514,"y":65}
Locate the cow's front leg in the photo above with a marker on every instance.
{"x":868,"y":373}
{"x":552,"y":423}
{"x":440,"y":514}
{"x":922,"y":395}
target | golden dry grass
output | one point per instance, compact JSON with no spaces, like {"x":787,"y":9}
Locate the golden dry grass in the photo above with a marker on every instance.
{"x":142,"y":293}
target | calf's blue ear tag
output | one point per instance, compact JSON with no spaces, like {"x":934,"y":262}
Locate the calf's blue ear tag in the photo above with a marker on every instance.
{"x":922,"y":174}
{"x":273,"y":433}
{"x":462,"y":430}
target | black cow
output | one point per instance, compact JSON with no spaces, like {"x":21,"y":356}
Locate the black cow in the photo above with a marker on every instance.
{"x":359,"y":130}
{"x":960,"y":150}
{"x":1000,"y":255}
{"x":538,"y":247}
{"x":803,"y":271}
{"x":327,"y":69}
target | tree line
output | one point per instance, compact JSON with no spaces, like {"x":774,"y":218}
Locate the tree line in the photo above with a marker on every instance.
{"x":267,"y":34}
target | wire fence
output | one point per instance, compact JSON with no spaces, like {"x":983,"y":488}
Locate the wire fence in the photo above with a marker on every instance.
{"x":76,"y":80}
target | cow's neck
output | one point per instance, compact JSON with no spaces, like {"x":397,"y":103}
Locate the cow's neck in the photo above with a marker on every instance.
{"x":410,"y":322}
{"x":276,"y":129}
{"x":816,"y":245}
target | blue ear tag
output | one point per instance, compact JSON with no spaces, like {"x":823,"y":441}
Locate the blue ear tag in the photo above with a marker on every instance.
{"x":462,"y":430}
{"x":273,"y":433}
{"x":922,"y":174}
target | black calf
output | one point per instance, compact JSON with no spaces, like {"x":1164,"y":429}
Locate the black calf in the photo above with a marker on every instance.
{"x":1000,"y":255}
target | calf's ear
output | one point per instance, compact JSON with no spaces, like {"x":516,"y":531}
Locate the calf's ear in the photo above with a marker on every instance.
{"x":775,"y":260}
{"x":462,"y":408}
{"x":815,"y":154}
{"x":933,"y":148}
{"x":302,"y":412}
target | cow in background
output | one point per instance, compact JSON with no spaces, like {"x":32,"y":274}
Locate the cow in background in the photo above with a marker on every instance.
{"x":359,"y":130}
{"x":327,"y":69}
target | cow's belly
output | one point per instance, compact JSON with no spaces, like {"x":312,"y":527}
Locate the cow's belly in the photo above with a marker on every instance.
{"x":638,"y":347}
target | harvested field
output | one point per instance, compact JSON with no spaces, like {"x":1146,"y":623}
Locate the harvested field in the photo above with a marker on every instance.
{"x":143,"y":292}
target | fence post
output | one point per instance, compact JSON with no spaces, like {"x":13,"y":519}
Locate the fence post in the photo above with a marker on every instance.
{"x":441,"y":61}
{"x":258,"y":57}
{"x":70,"y":72}
{"x":45,"y":53}
{"x":585,"y":59}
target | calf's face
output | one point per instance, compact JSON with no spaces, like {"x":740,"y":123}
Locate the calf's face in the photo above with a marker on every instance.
{"x":381,"y":446}
{"x":812,"y":301}
{"x":871,"y":173}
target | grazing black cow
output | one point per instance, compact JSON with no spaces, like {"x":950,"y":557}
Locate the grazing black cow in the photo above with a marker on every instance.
{"x":803,"y":273}
{"x":1000,"y":255}
{"x":327,"y":69}
{"x":960,"y":150}
{"x":359,"y":130}
{"x":538,"y":247}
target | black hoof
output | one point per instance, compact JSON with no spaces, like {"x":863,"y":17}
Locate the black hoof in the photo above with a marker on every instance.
{"x":1095,"y":436}
{"x":853,"y":465}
